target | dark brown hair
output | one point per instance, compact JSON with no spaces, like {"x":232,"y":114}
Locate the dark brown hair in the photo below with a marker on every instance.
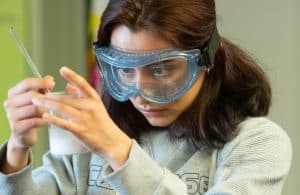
{"x":234,"y":89}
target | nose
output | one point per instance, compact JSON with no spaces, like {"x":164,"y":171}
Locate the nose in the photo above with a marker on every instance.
{"x":140,"y":100}
{"x":145,"y":83}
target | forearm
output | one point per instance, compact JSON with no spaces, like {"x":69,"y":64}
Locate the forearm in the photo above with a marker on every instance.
{"x":142,"y":175}
{"x":118,"y":152}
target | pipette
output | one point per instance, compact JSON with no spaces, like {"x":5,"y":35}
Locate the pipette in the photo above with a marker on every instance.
{"x":25,"y":53}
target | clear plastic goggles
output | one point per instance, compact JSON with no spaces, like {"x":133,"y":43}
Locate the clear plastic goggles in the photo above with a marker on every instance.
{"x":158,"y":76}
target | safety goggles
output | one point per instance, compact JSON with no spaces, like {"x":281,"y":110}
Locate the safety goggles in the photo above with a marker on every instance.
{"x":159,"y":76}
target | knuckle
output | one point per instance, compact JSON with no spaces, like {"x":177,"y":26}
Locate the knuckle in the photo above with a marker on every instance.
{"x":13,"y":126}
{"x":25,"y":82}
{"x":8,"y":115}
{"x":60,"y":98}
{"x":34,"y":110}
{"x":95,"y":109}
{"x":58,"y":107}
{"x":32,"y":93}
{"x":94,"y":106}
{"x":33,"y":123}
{"x":5,"y":104}
{"x":10,"y":92}
{"x":41,"y":111}
{"x":90,"y":106}
{"x":84,"y":117}
{"x":28,"y":83}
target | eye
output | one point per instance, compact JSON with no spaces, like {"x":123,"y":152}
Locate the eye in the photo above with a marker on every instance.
{"x":126,"y":72}
{"x":127,"y":75}
{"x":159,"y":70}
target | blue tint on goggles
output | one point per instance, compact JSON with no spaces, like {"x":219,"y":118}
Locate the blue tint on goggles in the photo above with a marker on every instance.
{"x":159,"y":76}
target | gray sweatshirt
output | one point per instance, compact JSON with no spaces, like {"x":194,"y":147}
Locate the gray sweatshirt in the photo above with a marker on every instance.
{"x":255,"y":162}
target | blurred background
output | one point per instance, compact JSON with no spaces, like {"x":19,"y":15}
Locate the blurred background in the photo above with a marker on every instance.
{"x":60,"y":32}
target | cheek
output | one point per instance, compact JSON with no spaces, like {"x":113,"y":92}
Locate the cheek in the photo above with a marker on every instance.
{"x":189,"y":97}
{"x":178,"y":108}
{"x":183,"y":103}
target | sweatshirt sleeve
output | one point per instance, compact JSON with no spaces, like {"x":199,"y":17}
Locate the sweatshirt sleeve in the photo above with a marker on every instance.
{"x":256,"y":162}
{"x":56,"y":176}
{"x":16,"y":183}
{"x":142,"y":175}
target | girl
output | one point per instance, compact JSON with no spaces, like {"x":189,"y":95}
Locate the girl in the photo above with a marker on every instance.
{"x":182,"y":112}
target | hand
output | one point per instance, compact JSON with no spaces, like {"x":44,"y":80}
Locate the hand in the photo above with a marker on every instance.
{"x":23,"y":116}
{"x":86,"y":117}
{"x":24,"y":119}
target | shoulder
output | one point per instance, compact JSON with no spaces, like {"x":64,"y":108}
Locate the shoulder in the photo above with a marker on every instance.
{"x":257,"y":130}
{"x":260,"y":127}
{"x":258,"y":139}
{"x":256,"y":161}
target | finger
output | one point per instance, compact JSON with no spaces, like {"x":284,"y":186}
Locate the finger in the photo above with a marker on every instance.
{"x":65,"y":124}
{"x":32,"y":84}
{"x":73,"y":90}
{"x":79,"y":82}
{"x":72,"y":101}
{"x":25,"y":125}
{"x":21,"y":100}
{"x":25,"y":112}
{"x":61,"y":109}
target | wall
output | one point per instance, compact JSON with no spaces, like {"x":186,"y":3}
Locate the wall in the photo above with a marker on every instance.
{"x":270,"y":31}
{"x":55,"y":36}
{"x":12,"y":64}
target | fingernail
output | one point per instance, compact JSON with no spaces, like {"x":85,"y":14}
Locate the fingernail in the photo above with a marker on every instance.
{"x":49,"y":77}
{"x":52,"y":83}
{"x":50,"y":80}
{"x":64,"y":69}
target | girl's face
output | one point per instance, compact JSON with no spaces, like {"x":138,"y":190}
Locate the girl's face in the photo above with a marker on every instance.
{"x":158,"y":115}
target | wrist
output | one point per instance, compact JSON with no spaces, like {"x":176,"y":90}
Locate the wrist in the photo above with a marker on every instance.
{"x":15,"y":149}
{"x":119,"y":152}
{"x":16,"y":158}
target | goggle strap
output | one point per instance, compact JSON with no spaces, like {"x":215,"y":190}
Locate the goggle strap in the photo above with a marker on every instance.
{"x":210,"y":50}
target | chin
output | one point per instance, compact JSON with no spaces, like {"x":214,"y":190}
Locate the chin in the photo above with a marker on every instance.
{"x":159,"y":122}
